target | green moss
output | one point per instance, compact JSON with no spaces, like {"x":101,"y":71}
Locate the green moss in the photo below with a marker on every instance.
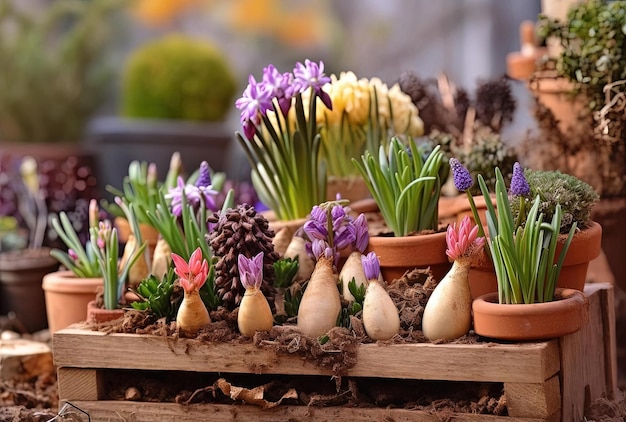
{"x":553,"y":187}
{"x":178,"y":77}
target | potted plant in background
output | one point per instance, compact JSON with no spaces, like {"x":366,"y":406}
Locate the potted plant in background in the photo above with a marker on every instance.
{"x":527,"y":305}
{"x":105,"y":244}
{"x":69,"y":290}
{"x":281,"y":138}
{"x":176,"y":94}
{"x":576,"y":200}
{"x":581,"y":120}
{"x":22,"y":270}
{"x":406,"y":188}
{"x":365,"y":114}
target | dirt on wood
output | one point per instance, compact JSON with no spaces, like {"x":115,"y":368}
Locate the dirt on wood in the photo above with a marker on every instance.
{"x":37,"y":399}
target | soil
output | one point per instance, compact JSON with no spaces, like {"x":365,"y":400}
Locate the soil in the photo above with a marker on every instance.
{"x":37,"y":399}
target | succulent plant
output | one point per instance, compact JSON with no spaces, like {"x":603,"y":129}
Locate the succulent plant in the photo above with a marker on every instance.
{"x":159,"y":297}
{"x":575,"y":197}
{"x":177,"y":77}
{"x":241,"y":230}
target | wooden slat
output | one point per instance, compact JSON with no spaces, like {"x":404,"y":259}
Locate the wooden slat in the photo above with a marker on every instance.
{"x":587,"y":355}
{"x":119,"y":411}
{"x":530,"y":363}
{"x":536,"y":400}
{"x":78,"y":384}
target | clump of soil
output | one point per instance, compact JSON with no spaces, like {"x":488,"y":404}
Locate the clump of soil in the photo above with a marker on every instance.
{"x":30,"y":400}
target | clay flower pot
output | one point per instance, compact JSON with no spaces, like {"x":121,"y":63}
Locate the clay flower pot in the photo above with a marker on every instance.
{"x":67,"y":297}
{"x":100,"y":315}
{"x":585,"y":247}
{"x":21,"y":275}
{"x":148,"y":233}
{"x":400,"y":254}
{"x":537,"y":321}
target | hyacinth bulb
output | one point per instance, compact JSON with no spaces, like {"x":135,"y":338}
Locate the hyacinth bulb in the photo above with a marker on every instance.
{"x":254,"y":311}
{"x":448,"y":312}
{"x":192,"y":314}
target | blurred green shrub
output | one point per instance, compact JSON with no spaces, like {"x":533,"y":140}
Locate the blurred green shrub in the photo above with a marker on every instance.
{"x":53,"y":75}
{"x":177,"y":77}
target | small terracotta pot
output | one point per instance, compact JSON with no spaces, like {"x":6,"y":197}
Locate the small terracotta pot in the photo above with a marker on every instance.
{"x":400,"y":254}
{"x":148,"y":233}
{"x":585,"y":247}
{"x":100,"y":315}
{"x":67,"y":297}
{"x":352,"y":188}
{"x":537,"y":321}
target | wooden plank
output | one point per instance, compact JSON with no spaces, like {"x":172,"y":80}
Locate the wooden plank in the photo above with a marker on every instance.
{"x":533,"y":400}
{"x":78,"y":384}
{"x":610,"y":340}
{"x":489,"y":362}
{"x":120,"y":411}
{"x":584,"y":356}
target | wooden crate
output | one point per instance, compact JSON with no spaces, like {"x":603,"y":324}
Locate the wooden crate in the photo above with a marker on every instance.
{"x":543,"y":381}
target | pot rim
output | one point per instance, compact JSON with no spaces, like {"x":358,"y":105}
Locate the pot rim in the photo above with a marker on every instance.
{"x":571,"y":299}
{"x":65,"y":281}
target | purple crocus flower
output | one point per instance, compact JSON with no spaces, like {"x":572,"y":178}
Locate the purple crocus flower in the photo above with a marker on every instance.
{"x":251,"y":271}
{"x":461,"y":176}
{"x":371,"y":266}
{"x":339,"y":217}
{"x":519,"y":184}
{"x":311,"y":75}
{"x":256,"y":100}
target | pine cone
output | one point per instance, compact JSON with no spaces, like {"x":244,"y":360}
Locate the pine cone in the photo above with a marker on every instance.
{"x":241,"y":231}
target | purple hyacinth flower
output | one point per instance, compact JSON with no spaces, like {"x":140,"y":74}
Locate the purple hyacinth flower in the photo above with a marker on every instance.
{"x":371,"y":266}
{"x":315,"y":230}
{"x":311,"y":75}
{"x":194,"y":195}
{"x":339,"y":217}
{"x":321,"y":248}
{"x":204,"y":177}
{"x":519,"y":184}
{"x":251,"y":271}
{"x":461,"y":176}
{"x":277,"y":84}
{"x":256,"y":100}
{"x":344,"y":237}
{"x":361,"y":233}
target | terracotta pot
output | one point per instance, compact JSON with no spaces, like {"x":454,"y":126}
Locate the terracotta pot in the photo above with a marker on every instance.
{"x":352,"y":188}
{"x":67,"y":297}
{"x":454,"y":208}
{"x":100,"y":315}
{"x":400,"y":254}
{"x":585,"y":247}
{"x":538,"y":321}
{"x":21,"y":274}
{"x":148,"y":233}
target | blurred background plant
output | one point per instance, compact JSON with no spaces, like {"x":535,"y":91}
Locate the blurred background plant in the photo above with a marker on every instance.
{"x":54,"y":72}
{"x":178,"y":77}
